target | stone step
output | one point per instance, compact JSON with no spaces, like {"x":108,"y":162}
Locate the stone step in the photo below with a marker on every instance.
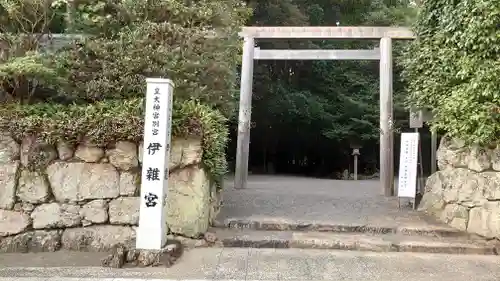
{"x":352,"y":241}
{"x":420,"y":229}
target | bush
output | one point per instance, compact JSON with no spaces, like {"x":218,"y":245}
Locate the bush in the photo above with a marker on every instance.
{"x":202,"y":68}
{"x":112,"y":120}
{"x":93,"y":88}
{"x":26,"y":72}
{"x":23,"y":77}
{"x":195,"y":45}
{"x":453,"y":68}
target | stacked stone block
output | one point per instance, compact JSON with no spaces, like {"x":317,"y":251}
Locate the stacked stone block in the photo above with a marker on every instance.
{"x":86,"y":197}
{"x":465,"y":192}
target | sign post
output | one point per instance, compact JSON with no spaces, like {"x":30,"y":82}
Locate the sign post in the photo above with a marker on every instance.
{"x":152,"y":230}
{"x":408,"y":159}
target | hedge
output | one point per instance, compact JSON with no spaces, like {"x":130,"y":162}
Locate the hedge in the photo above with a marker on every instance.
{"x":92,"y":87}
{"x":113,"y":120}
{"x":453,"y":68}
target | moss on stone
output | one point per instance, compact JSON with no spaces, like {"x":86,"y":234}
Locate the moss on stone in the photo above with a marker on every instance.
{"x":110,"y":121}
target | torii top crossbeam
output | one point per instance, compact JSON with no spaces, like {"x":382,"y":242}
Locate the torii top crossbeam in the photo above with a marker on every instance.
{"x":325,"y":32}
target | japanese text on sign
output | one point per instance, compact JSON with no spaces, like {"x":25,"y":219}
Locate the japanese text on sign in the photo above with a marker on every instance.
{"x":156,"y":113}
{"x":154,"y":181}
{"x":151,"y":199}
{"x":407,"y":182}
{"x":153,"y":147}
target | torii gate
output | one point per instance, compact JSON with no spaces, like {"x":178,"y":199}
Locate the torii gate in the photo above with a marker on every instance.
{"x":383,"y":54}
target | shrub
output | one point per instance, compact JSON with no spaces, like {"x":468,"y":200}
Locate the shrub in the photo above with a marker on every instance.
{"x":453,"y":67}
{"x":112,"y":120}
{"x":93,"y":87}
{"x":23,"y":78}
{"x":25,"y":72}
{"x":195,"y":45}
{"x":202,"y":68}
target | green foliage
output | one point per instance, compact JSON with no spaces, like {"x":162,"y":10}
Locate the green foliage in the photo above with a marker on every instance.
{"x":108,"y":121}
{"x":202,"y":68}
{"x":194,"y":118}
{"x":400,"y":13}
{"x":28,"y":17}
{"x":337,"y":100}
{"x":22,"y":76}
{"x":93,"y":87}
{"x":454,"y":67}
{"x":195,"y":45}
{"x":23,"y":69}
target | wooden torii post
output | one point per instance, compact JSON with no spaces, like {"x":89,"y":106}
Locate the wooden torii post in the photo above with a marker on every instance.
{"x":383,"y":54}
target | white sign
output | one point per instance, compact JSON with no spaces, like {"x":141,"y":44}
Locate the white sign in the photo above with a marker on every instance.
{"x":152,"y":230}
{"x":408,"y":159}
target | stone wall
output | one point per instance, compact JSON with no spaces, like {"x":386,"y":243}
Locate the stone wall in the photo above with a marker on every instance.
{"x":465,"y":192}
{"x":87,"y":197}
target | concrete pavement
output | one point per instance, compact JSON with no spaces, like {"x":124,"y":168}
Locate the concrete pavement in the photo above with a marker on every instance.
{"x":261,"y":264}
{"x":301,"y":200}
{"x":299,"y":212}
{"x":286,"y":203}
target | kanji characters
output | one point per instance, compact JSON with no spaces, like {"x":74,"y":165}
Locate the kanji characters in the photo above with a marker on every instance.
{"x":156,"y":114}
{"x":153,"y":174}
{"x":153,"y":147}
{"x":151,"y":199}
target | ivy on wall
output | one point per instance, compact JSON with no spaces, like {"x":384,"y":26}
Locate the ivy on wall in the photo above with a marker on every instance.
{"x":453,"y":67}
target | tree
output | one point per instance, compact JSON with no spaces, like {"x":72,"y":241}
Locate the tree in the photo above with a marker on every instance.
{"x":453,"y":68}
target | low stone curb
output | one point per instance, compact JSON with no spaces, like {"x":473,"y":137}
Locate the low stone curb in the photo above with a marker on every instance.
{"x":357,"y":242}
{"x":339,"y":228}
{"x":110,"y":279}
{"x":384,"y":247}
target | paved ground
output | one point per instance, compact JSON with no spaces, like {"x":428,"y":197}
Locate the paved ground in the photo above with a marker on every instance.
{"x":299,"y":199}
{"x":291,"y":199}
{"x":266,"y":264}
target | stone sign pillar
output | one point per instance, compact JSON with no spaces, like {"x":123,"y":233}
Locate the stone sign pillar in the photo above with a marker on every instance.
{"x":152,"y":231}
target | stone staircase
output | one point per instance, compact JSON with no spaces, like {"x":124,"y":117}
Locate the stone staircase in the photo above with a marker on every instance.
{"x":422,"y":238}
